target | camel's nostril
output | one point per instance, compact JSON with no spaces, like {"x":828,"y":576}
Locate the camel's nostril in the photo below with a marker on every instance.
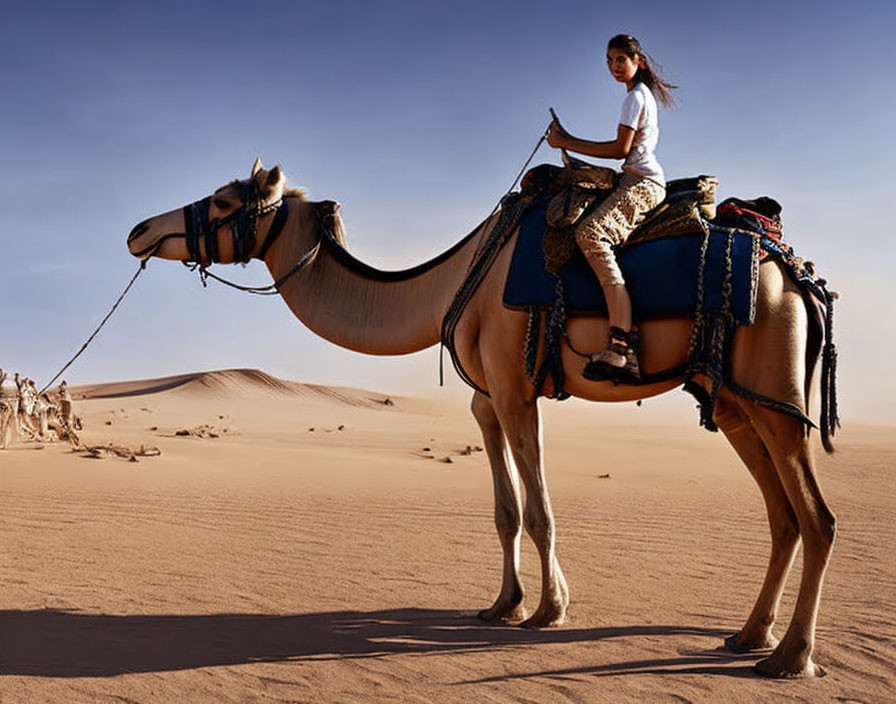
{"x":138,"y":230}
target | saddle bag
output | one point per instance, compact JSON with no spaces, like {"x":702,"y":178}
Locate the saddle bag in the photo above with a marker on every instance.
{"x":688,"y":204}
{"x":762,"y":215}
{"x":582,"y":186}
{"x":569,"y":205}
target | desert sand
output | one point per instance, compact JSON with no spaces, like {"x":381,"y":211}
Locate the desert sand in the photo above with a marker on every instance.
{"x":314,"y":544}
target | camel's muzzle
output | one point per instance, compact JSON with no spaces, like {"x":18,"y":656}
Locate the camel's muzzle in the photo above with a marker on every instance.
{"x":138,"y":230}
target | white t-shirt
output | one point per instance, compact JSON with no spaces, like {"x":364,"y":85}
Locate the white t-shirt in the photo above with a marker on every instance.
{"x":639,"y":111}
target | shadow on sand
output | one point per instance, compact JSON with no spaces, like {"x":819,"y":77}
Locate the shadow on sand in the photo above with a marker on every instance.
{"x":53,"y":643}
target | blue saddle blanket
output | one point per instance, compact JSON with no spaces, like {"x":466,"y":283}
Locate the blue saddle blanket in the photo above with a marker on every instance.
{"x":661,"y":275}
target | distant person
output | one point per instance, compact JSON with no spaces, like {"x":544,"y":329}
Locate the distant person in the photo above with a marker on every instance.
{"x":17,"y":409}
{"x":27,"y":402}
{"x":40,"y":408}
{"x":641,"y":188}
{"x":64,"y":394}
{"x":66,"y":409}
{"x":7,"y":406}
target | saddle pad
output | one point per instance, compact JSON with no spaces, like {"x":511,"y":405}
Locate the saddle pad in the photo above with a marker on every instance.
{"x":661,"y":275}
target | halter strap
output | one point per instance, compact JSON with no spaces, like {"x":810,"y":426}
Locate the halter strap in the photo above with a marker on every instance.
{"x":275,"y":229}
{"x":244,"y":223}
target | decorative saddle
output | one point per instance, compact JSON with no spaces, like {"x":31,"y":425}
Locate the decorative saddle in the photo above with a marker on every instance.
{"x":662,"y":271}
{"x":708,"y":271}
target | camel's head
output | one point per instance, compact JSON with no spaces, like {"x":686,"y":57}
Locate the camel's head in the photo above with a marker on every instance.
{"x":227,"y":226}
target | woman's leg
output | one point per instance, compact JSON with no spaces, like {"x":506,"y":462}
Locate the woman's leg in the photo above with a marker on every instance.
{"x":610,"y":224}
{"x":619,"y":306}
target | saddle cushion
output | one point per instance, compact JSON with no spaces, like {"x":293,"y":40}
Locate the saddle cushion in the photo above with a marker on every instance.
{"x":661,"y":275}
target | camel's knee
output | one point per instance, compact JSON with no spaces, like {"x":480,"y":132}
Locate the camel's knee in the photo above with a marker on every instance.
{"x":507,"y":519}
{"x":826,"y":518}
{"x":822,"y":523}
{"x":784,"y":526}
{"x":539,"y":524}
{"x":785,"y":532}
{"x":822,"y":532}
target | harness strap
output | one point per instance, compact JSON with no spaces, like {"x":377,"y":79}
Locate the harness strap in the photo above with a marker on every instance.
{"x":275,"y":229}
{"x":211,"y":245}
{"x":195,"y":215}
{"x":273,"y":289}
{"x":779,"y":406}
{"x":244,"y":222}
{"x":511,"y":209}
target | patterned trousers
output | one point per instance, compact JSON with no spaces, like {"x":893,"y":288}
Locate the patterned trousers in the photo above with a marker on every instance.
{"x":613,"y":221}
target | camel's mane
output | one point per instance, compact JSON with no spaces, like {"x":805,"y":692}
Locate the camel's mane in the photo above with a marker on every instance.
{"x":293,"y":191}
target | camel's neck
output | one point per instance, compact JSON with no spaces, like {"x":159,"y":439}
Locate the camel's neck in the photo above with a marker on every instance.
{"x":362,"y":309}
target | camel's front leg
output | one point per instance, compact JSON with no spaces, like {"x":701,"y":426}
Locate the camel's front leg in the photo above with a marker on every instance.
{"x":521,"y":422}
{"x":508,"y":513}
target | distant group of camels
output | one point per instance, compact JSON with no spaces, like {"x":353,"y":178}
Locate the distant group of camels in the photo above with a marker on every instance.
{"x":392,"y":313}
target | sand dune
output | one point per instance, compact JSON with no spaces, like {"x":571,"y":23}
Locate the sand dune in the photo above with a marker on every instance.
{"x":233,"y":383}
{"x":315,"y":545}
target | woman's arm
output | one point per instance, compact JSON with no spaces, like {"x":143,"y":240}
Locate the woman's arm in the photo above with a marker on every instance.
{"x":617,"y":149}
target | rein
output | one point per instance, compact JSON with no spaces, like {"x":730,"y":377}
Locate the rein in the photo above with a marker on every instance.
{"x":245,"y":221}
{"x":140,"y":270}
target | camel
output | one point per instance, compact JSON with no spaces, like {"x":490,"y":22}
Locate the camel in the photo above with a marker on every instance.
{"x":393,"y":313}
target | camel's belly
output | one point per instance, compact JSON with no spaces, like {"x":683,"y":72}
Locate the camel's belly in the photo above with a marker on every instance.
{"x":664,"y":345}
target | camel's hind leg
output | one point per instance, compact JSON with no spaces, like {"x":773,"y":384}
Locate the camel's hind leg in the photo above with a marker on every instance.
{"x":734,"y":423}
{"x":508,"y":513}
{"x":521,"y":422}
{"x":788,"y":446}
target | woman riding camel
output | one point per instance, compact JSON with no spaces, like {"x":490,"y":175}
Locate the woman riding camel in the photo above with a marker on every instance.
{"x":641,"y":188}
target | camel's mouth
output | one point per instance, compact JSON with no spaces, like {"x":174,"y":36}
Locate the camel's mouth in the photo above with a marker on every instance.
{"x":139,"y":244}
{"x":157,"y":236}
{"x":137,"y":231}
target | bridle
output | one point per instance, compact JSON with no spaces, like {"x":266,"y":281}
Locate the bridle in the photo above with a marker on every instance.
{"x":244,"y":222}
{"x":245,"y":227}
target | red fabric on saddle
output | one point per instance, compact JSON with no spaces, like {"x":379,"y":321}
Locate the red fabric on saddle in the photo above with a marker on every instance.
{"x":736,"y":212}
{"x":732,"y":209}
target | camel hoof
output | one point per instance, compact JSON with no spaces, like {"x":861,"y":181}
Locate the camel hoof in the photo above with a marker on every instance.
{"x":768,"y":667}
{"x":544,"y":620}
{"x":767,"y":643}
{"x":495,"y":614}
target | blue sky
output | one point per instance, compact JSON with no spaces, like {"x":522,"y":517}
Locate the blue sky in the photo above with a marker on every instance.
{"x":415,"y":116}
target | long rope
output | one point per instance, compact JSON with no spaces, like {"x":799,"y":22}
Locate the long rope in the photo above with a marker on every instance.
{"x":479,"y":267}
{"x":531,"y":156}
{"x":99,"y":327}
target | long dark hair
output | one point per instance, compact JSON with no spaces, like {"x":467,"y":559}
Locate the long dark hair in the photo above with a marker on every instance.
{"x":649,"y":73}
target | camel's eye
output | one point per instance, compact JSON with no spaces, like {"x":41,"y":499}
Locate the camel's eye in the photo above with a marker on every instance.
{"x":221,"y":203}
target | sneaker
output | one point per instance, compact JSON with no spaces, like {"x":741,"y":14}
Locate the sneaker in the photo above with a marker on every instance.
{"x":619,"y":362}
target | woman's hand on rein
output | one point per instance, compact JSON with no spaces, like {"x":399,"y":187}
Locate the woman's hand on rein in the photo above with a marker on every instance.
{"x":557,"y":136}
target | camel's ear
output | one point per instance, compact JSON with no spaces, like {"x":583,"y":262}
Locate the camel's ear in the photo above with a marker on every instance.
{"x":271,"y":183}
{"x":275,"y":175}
{"x":256,"y":167}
